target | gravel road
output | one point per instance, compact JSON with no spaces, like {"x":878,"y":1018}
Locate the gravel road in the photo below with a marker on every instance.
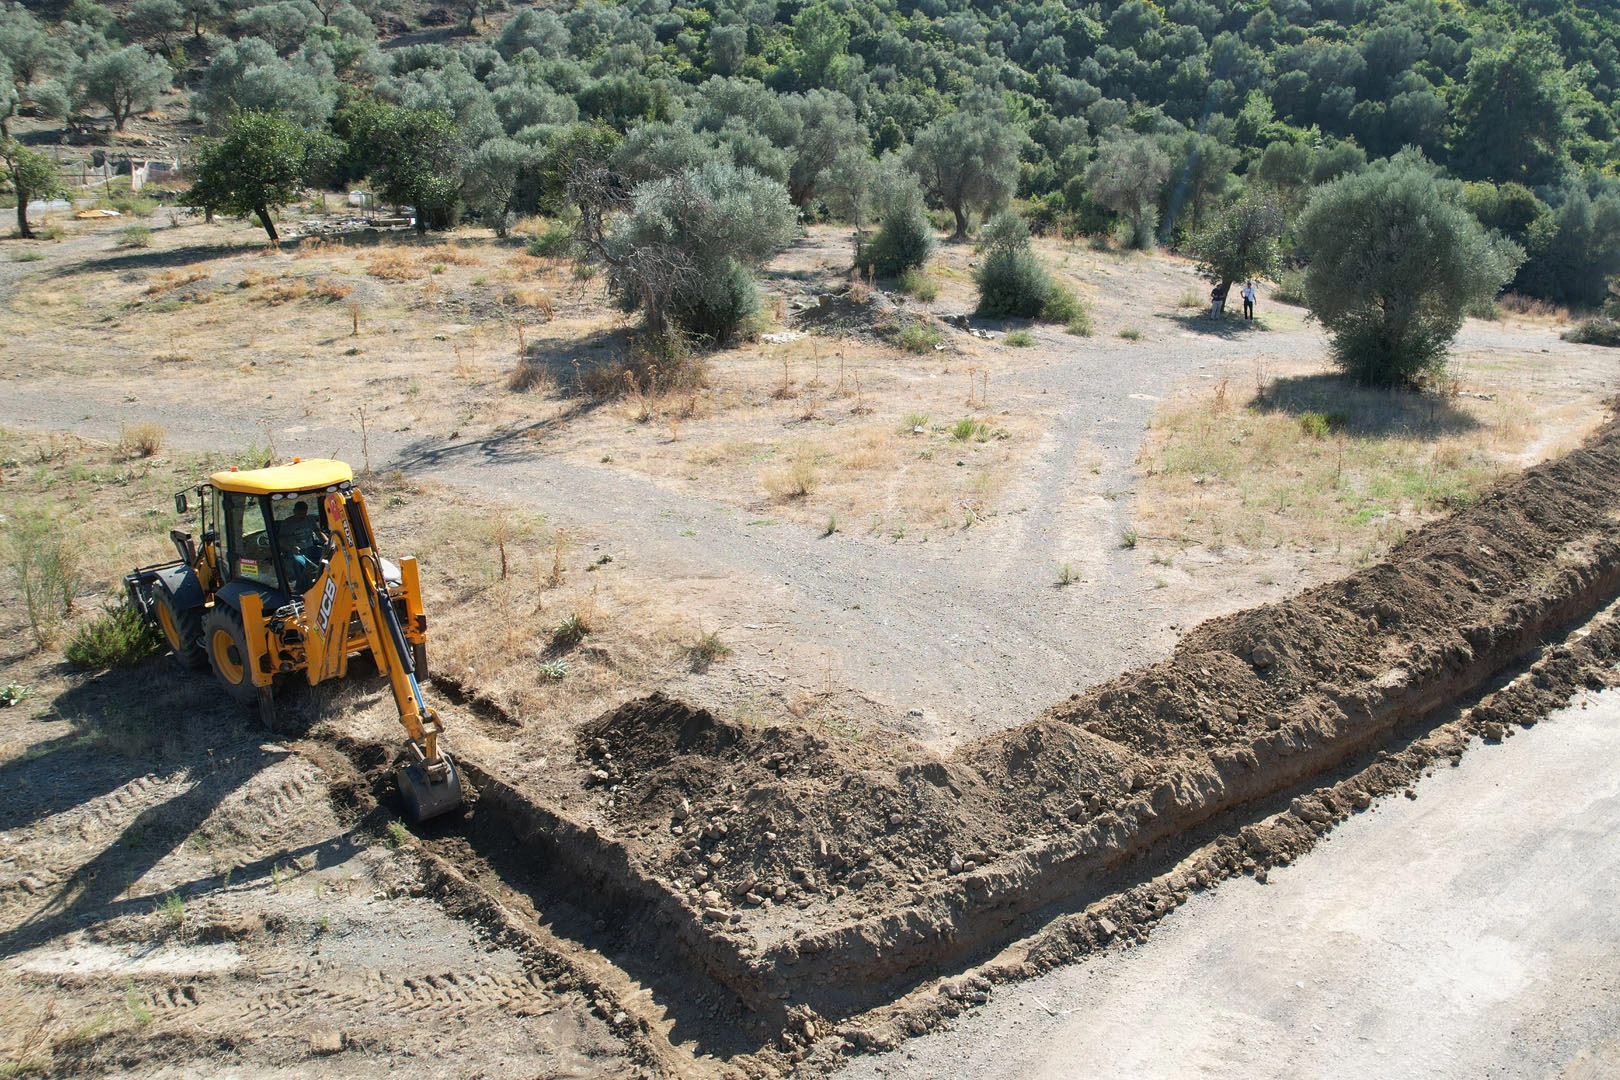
{"x":969,"y":630}
{"x":1468,"y":933}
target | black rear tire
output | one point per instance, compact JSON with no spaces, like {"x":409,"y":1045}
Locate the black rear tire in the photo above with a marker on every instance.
{"x":182,"y":629}
{"x":226,"y":644}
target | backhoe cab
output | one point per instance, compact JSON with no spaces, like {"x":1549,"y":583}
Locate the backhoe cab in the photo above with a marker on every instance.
{"x":283,"y":577}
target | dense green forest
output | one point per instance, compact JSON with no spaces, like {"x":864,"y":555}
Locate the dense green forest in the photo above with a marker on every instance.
{"x":1127,"y":116}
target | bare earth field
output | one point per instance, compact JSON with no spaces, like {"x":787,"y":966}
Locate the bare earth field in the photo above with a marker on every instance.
{"x":964,"y":662}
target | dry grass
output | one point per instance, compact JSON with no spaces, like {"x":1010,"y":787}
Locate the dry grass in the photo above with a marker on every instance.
{"x":1351,"y":477}
{"x":394,"y":264}
{"x":450,"y":255}
{"x":532,"y":298}
{"x":169,"y":280}
{"x":796,"y":479}
{"x":1531,"y":308}
{"x":141,"y":440}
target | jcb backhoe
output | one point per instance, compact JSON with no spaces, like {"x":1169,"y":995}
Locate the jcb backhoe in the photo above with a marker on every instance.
{"x":283,"y":577}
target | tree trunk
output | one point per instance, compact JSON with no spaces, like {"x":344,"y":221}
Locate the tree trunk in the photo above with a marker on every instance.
{"x":269,"y":226}
{"x":22,"y":216}
{"x":961,"y":223}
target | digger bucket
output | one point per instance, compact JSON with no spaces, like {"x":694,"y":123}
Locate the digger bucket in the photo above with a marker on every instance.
{"x":424,"y":797}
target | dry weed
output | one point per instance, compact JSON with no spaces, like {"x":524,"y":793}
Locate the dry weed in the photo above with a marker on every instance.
{"x":529,"y":296}
{"x":169,"y":280}
{"x":142,"y":440}
{"x":393,"y":264}
{"x":450,"y":254}
{"x":285,"y":291}
{"x":329,"y":290}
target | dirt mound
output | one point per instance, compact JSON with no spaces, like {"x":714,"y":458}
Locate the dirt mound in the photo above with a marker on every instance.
{"x":818,"y":869}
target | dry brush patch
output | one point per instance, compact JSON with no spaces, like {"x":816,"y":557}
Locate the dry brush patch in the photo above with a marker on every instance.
{"x":1307,"y":463}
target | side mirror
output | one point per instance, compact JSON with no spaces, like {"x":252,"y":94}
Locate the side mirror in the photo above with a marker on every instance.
{"x":180,"y":503}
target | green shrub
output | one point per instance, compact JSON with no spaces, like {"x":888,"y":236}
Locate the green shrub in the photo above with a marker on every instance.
{"x":571,"y":631}
{"x":1290,"y":289}
{"x":1319,"y":425}
{"x":1012,"y":282}
{"x":969,"y":428}
{"x":916,"y":337}
{"x":918,"y":284}
{"x":718,"y":304}
{"x":906,"y":240}
{"x":26,"y":256}
{"x":42,"y":563}
{"x":1062,"y":306}
{"x":1130,"y":333}
{"x":1595,"y":332}
{"x":557,"y":242}
{"x":127,"y":203}
{"x":134,"y":236}
{"x":120,"y":637}
{"x":1019,"y":339}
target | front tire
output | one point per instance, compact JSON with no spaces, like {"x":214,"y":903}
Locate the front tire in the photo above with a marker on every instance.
{"x":182,"y":629}
{"x":226,"y":645}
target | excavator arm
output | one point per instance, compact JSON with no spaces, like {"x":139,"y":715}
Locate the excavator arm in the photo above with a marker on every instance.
{"x":352,"y":588}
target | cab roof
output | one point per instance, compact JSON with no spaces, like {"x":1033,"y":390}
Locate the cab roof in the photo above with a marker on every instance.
{"x":315,"y":474}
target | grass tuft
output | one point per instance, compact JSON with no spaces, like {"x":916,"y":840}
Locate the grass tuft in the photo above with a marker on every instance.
{"x":134,"y":236}
{"x":706,"y":650}
{"x":575,"y":628}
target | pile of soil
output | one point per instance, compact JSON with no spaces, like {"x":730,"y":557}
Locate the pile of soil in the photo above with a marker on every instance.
{"x":798,"y":868}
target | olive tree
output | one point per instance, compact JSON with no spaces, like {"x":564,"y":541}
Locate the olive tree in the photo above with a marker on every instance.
{"x":414,"y":155}
{"x":490,"y":177}
{"x":257,"y":167}
{"x":683,"y":248}
{"x":1243,"y":243}
{"x":1395,"y":261}
{"x":1012,"y":281}
{"x":30,"y":175}
{"x":124,"y":81}
{"x":905,"y":237}
{"x":248,"y":75}
{"x":968,"y":161}
{"x":1127,"y":176}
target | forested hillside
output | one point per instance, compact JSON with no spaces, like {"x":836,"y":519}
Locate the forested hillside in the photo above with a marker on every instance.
{"x":1130,"y":115}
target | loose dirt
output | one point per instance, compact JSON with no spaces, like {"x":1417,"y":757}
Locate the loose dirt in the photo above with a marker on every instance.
{"x":819,"y":881}
{"x":845,"y":833}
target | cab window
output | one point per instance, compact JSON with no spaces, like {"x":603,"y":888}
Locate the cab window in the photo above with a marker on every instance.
{"x":248,"y":540}
{"x":300,"y":531}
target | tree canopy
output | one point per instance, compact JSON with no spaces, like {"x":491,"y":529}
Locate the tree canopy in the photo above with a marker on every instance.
{"x":1395,"y":262}
{"x":257,"y":167}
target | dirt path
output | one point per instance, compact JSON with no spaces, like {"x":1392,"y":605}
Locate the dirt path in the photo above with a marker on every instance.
{"x":1486,"y":950}
{"x":189,"y":896}
{"x":969,"y":631}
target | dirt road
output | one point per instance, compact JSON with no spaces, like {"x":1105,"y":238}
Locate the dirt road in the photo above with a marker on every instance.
{"x":1486,"y":949}
{"x":967,"y":634}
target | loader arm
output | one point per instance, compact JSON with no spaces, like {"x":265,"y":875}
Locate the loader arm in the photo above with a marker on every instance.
{"x":353,"y":586}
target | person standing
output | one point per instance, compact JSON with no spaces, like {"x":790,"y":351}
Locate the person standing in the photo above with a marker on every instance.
{"x":1248,"y":299}
{"x":1217,"y":300}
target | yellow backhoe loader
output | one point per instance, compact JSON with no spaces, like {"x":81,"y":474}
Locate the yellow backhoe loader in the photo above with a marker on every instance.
{"x":284,"y":577}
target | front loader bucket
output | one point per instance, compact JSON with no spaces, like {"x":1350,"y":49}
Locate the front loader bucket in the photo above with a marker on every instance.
{"x":424,"y":797}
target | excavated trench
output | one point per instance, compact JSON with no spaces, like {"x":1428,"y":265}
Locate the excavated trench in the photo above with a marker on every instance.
{"x":825,"y":884}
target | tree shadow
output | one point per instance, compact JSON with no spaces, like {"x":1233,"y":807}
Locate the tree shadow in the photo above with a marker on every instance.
{"x":1227,"y":327}
{"x":1362,"y":411}
{"x":153,"y":259}
{"x":121,"y":727}
{"x":152,"y":719}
